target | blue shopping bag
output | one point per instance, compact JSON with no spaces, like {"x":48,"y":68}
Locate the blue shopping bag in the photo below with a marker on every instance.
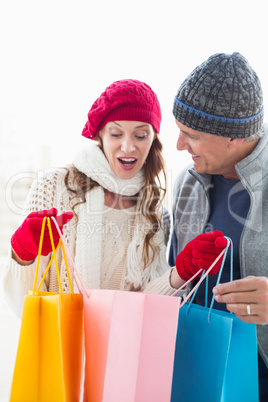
{"x":216,"y":358}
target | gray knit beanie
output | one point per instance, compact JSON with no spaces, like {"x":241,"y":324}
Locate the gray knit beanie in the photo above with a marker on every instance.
{"x":222,"y":96}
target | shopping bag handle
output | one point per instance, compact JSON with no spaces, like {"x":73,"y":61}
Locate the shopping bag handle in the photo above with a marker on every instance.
{"x":205,"y":274}
{"x":46,"y":220}
{"x":229,"y":245}
{"x":71,"y":263}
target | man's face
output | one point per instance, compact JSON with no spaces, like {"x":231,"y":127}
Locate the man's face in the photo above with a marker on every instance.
{"x":210,"y":153}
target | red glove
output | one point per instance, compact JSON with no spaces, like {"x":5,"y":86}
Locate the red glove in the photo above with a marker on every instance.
{"x":200,"y":253}
{"x":25,"y":241}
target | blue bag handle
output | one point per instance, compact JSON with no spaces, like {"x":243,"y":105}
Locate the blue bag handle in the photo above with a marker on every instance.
{"x":229,"y":243}
{"x":205,"y":275}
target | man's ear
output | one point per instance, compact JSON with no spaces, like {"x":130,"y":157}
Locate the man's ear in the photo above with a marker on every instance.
{"x":235,"y":142}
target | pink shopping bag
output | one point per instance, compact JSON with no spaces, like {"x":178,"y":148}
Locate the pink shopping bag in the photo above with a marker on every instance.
{"x":130,"y":344}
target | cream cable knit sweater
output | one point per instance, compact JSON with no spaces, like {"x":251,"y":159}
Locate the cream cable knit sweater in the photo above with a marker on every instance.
{"x":45,"y":193}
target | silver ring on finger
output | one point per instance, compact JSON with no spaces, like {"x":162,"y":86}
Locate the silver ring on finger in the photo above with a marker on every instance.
{"x":248,"y":309}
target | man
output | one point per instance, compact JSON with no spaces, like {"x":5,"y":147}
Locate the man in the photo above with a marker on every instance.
{"x":219,"y":113}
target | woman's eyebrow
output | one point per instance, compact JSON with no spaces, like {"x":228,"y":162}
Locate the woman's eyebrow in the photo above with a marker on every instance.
{"x":142,"y":125}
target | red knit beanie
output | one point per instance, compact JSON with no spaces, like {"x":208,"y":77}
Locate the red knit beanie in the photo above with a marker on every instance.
{"x":129,"y":100}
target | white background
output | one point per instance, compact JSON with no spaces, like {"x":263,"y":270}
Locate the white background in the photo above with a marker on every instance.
{"x":58,"y":56}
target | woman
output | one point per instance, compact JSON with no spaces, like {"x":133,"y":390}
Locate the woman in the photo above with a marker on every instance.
{"x":119,"y":231}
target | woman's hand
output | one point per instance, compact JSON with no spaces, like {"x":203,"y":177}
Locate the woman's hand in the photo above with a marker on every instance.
{"x":25,"y":241}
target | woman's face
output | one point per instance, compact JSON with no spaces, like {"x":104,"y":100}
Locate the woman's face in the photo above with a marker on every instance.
{"x":126,"y":145}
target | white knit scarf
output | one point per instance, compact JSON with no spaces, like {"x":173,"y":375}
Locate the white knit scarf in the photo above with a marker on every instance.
{"x":93,"y":163}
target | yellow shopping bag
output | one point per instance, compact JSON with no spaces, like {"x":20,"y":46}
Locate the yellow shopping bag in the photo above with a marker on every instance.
{"x":49,"y":356}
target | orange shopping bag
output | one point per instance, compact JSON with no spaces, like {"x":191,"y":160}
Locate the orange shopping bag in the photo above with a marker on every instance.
{"x":49,"y":356}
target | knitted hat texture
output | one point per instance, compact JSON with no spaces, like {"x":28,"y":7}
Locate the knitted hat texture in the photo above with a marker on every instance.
{"x":222,"y":96}
{"x":130,"y":100}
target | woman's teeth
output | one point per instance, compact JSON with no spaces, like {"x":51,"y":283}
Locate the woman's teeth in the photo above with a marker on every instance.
{"x":127,"y":161}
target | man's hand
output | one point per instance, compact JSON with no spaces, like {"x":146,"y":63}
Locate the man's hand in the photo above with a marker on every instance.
{"x":247,"y":298}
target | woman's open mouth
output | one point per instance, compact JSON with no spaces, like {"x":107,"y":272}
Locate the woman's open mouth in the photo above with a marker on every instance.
{"x":127,"y":163}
